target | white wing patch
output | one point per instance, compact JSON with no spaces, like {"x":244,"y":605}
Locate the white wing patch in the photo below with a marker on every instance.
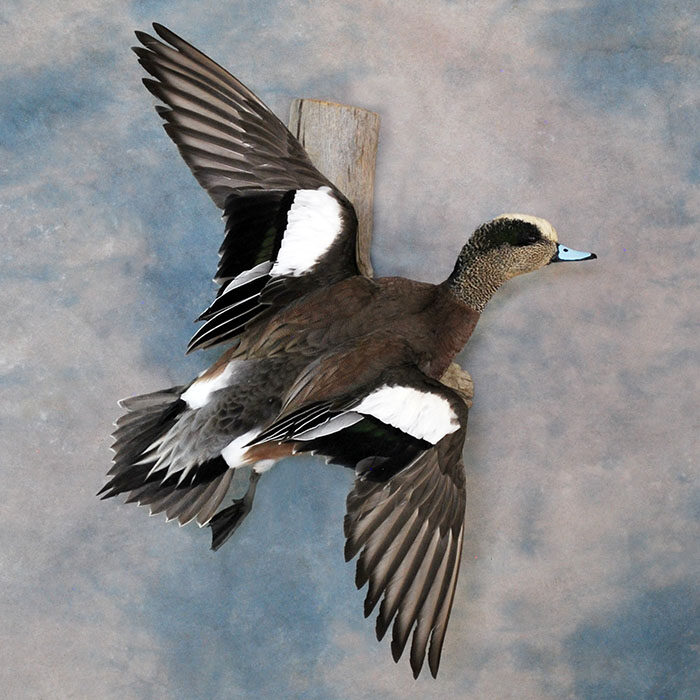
{"x":421,"y":414}
{"x":314,"y":222}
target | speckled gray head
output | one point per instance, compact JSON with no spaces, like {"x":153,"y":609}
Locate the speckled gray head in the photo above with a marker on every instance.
{"x":507,"y":246}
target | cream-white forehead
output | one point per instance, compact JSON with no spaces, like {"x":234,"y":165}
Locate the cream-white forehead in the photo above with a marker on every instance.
{"x":548,"y":231}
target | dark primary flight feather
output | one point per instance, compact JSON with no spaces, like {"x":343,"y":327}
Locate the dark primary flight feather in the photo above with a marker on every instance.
{"x":227,"y":136}
{"x":252,"y":167}
{"x":408,"y":531}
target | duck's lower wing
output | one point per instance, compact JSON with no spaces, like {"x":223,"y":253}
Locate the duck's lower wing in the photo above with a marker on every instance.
{"x":408,"y":532}
{"x":403,"y":433}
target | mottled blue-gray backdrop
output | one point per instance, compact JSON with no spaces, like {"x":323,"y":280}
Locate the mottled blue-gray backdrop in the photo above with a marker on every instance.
{"x":580,"y":569}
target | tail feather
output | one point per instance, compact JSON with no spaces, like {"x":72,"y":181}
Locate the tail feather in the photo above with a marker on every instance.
{"x":134,"y":495}
{"x":151,"y":402}
{"x":187,"y":508}
{"x":149,"y":417}
{"x":170,"y":499}
{"x":208,"y":509}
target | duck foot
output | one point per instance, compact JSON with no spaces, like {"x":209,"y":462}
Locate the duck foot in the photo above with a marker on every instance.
{"x":228,"y":520}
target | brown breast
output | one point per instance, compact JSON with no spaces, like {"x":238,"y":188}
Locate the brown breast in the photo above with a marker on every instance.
{"x":426,"y":317}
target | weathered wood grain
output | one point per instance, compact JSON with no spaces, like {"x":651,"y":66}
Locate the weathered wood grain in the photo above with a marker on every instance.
{"x":342,"y":143}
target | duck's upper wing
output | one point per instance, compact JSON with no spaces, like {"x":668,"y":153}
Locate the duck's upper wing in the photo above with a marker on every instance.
{"x":403,"y":433}
{"x":288,"y":229}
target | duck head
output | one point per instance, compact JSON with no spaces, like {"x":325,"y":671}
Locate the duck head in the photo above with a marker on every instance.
{"x":507,"y":246}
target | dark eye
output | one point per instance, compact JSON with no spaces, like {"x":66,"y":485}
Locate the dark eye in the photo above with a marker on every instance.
{"x":529,"y":237}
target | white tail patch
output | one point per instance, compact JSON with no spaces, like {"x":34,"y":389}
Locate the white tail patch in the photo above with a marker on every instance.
{"x":264,"y":465}
{"x":314,"y":222}
{"x":421,"y":414}
{"x":234,"y":451}
{"x":200,"y":391}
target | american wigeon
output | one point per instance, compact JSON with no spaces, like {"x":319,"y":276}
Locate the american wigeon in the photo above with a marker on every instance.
{"x":322,"y":359}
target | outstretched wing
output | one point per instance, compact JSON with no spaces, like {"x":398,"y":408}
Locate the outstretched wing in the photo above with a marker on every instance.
{"x":408,"y":532}
{"x":288,"y":229}
{"x":404,"y":435}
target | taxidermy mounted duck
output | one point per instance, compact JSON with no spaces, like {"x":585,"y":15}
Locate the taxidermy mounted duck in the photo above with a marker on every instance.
{"x":321,"y":359}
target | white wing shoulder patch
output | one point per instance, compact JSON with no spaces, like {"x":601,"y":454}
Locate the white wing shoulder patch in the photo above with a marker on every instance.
{"x":314,"y":223}
{"x":421,"y":414}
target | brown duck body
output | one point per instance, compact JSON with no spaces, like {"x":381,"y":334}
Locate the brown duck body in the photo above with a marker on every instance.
{"x":335,"y":341}
{"x":365,"y":319}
